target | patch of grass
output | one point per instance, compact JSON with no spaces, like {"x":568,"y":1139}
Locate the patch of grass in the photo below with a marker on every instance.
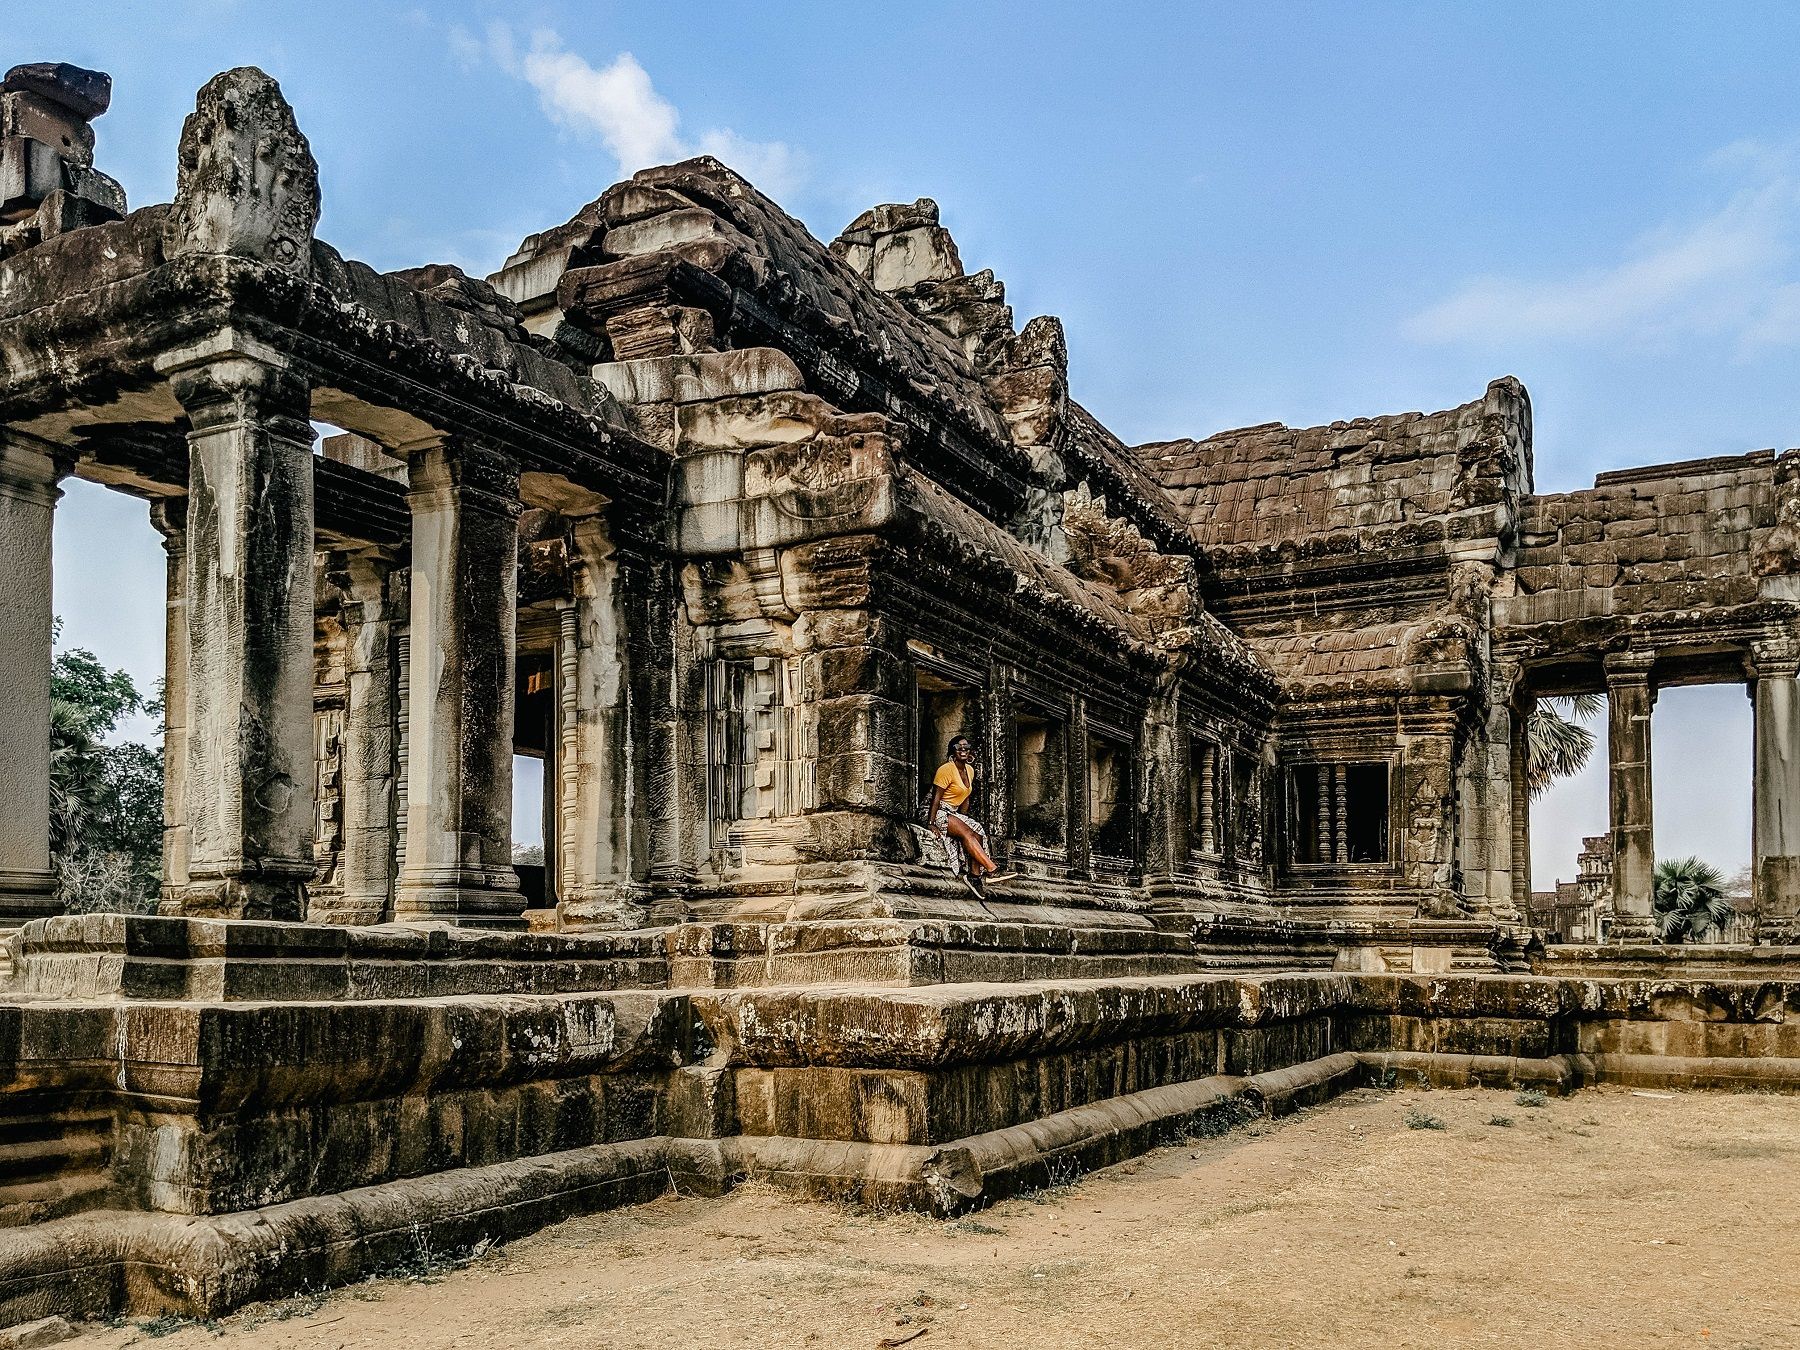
{"x":1504,"y":1122}
{"x":1220,"y":1120}
{"x":1060,"y":1176}
{"x":427,"y":1265}
{"x":976,"y":1228}
{"x":1530,"y":1097}
{"x":167,"y":1325}
{"x":303,"y":1304}
{"x":1238,"y":1211}
{"x":1423,"y":1120}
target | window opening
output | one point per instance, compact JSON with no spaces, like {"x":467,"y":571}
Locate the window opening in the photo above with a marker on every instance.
{"x":1209,"y":802}
{"x":1110,"y":815}
{"x":1040,"y":780}
{"x":1338,"y":813}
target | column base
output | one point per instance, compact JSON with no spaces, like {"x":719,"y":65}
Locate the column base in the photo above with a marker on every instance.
{"x":27,"y":895}
{"x":471,"y":898}
{"x":622,"y":905}
{"x":1778,"y":898}
{"x":356,"y":913}
{"x":270,"y":894}
{"x":1632,"y":928}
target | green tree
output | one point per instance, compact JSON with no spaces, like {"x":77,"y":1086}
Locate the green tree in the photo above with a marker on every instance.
{"x":105,"y":799}
{"x":1689,"y":902}
{"x":1556,"y":746}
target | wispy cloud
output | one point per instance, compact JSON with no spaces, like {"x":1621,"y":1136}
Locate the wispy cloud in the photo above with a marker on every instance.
{"x":1730,"y":273}
{"x":618,"y":104}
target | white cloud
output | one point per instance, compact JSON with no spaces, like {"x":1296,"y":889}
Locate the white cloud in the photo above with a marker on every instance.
{"x":1732,"y":272}
{"x":618,"y":104}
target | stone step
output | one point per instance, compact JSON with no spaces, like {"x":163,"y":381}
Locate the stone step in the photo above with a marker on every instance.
{"x":29,"y":1160}
{"x":53,"y":1197}
{"x":52,"y":1165}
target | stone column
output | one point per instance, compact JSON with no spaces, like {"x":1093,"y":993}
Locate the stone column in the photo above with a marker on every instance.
{"x":1775,"y":799}
{"x":370,"y":733}
{"x":1630,"y":698}
{"x":1519,"y":787}
{"x":403,"y":728}
{"x":593,"y":757}
{"x":169,"y":516}
{"x":249,"y":631}
{"x":465,"y":506}
{"x":28,"y":494}
{"x":1340,"y":816}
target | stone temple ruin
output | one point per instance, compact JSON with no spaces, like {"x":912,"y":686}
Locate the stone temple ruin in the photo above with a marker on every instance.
{"x":734,"y":529}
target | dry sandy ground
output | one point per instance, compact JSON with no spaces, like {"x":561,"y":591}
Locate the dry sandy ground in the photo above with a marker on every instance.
{"x":1607,"y":1219}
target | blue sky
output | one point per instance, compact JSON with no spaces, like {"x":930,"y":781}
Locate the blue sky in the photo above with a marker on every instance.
{"x":1242,"y":213}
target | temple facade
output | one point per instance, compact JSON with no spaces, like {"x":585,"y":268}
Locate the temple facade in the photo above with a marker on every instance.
{"x":733,"y":529}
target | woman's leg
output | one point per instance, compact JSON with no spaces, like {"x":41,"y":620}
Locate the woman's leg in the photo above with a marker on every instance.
{"x":971,"y":842}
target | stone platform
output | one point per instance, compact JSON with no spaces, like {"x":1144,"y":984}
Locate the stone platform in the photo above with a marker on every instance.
{"x":196,"y":1115}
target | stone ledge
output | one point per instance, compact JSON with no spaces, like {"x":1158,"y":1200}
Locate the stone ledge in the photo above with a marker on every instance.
{"x":102,"y":1262}
{"x":165,"y":957}
{"x":1654,"y":960}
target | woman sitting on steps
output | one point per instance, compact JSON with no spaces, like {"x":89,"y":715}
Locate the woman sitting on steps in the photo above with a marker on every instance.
{"x":950,"y":788}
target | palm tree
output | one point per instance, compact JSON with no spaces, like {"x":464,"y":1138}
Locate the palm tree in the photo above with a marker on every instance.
{"x":75,"y":774}
{"x":1690,"y":903}
{"x":1557,"y":747}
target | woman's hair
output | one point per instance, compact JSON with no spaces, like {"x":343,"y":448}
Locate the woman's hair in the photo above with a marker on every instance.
{"x":950,"y":749}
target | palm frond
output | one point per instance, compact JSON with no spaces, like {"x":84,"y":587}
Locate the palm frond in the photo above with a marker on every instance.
{"x":1555,"y":747}
{"x":1689,"y":900}
{"x":1585,"y":707}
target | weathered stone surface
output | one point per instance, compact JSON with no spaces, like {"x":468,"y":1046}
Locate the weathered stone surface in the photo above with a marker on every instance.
{"x":248,"y":184}
{"x":86,"y":93}
{"x":249,"y":537}
{"x":28,"y":493}
{"x":38,"y":119}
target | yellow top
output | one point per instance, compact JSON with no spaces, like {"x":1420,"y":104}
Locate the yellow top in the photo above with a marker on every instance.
{"x":950,"y":778}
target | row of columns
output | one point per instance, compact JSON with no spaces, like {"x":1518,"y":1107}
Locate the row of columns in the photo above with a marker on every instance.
{"x":239,"y":786}
{"x":1775,"y":803}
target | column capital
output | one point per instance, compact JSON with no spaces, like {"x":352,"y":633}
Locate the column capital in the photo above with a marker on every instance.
{"x":1773,"y":656}
{"x":362,"y":574}
{"x":222,"y":345}
{"x":231,"y":378}
{"x":1628,"y":667}
{"x":30,"y":469}
{"x":169,"y":517}
{"x":482,"y":475}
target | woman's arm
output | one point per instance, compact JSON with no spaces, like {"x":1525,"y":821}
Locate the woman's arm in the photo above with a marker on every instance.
{"x":937,"y":800}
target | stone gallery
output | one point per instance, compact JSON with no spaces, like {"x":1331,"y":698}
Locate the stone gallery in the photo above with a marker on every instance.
{"x":735,"y":530}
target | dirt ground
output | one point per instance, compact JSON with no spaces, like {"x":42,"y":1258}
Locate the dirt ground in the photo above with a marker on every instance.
{"x":1610,"y":1218}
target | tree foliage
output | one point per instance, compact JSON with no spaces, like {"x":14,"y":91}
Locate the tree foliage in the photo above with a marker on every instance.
{"x":1689,"y":900}
{"x":1558,"y":746}
{"x":105,"y":799}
